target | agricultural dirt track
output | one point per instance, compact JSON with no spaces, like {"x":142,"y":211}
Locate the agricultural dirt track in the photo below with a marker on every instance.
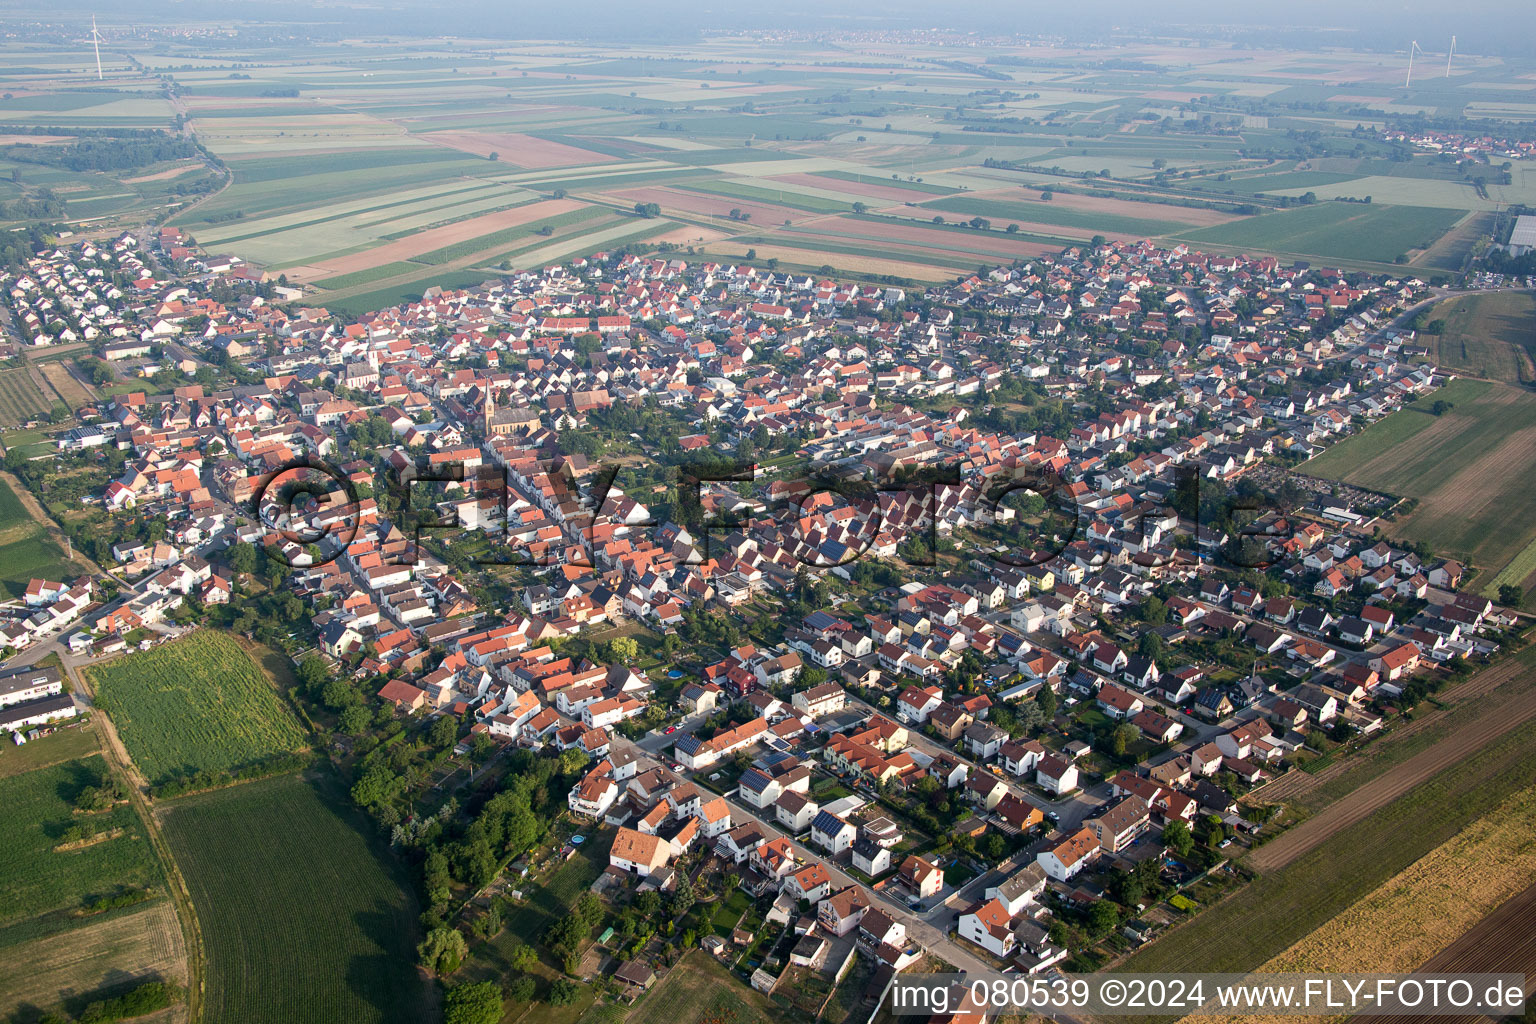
{"x":1504,"y":942}
{"x":1498,"y":720}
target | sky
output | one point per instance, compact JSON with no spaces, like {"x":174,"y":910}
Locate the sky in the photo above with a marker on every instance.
{"x":1495,"y":27}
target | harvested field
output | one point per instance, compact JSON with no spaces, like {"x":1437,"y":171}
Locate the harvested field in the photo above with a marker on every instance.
{"x":872,"y":188}
{"x":691,"y":235}
{"x":997,"y":243}
{"x":518,"y":149}
{"x":1491,"y":336}
{"x":809,"y":257}
{"x":141,"y":946}
{"x":1501,"y":943}
{"x":70,"y":390}
{"x":1501,"y":718}
{"x":173,"y":172}
{"x":433,"y":239}
{"x":1428,"y":905}
{"x":1126,"y":208}
{"x":676,"y":201}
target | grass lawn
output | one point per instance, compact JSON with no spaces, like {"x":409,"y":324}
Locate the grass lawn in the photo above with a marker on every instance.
{"x":64,"y":745}
{"x":699,"y":987}
{"x":36,"y":807}
{"x":304,"y":918}
{"x":193,"y":705}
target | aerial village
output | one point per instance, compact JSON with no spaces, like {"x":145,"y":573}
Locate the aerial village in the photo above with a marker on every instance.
{"x":917,"y":620}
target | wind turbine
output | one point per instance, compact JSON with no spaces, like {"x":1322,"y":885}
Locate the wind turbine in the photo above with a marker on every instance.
{"x":1448,"y":57}
{"x":1411,"y":49}
{"x":96,"y":42}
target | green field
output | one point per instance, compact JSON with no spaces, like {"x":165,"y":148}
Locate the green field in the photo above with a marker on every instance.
{"x":36,"y":807}
{"x":1343,"y":231}
{"x":1469,"y":470}
{"x":778,"y":197}
{"x":303,"y":920}
{"x":1491,"y":336}
{"x":29,"y":553}
{"x":1278,"y":909}
{"x":21,"y":400}
{"x":12,"y":512}
{"x":198,"y":704}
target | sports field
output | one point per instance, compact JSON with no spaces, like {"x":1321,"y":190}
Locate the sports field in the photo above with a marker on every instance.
{"x":1491,"y":336}
{"x":1469,"y":470}
{"x":303,"y":919}
{"x":197,"y":704}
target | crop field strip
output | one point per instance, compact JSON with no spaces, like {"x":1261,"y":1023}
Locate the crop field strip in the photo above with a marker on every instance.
{"x":1467,"y":468}
{"x":1429,"y":905}
{"x":21,"y":400}
{"x":303,"y":919}
{"x":1480,"y":730}
{"x":196,"y":704}
{"x":1279,"y":908}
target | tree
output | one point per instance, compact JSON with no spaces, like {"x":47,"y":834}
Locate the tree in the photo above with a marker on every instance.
{"x":354,"y":720}
{"x":624,"y":648}
{"x":563,"y":992}
{"x":443,"y":732}
{"x":242,"y":558}
{"x":1047,"y":195}
{"x":442,"y":950}
{"x":522,"y":990}
{"x":1124,"y":735}
{"x":1510,"y":595}
{"x":473,"y":1003}
{"x":524,"y":958}
{"x":495,"y":156}
{"x":860,"y":207}
{"x":1176,"y":837}
{"x":312,"y":671}
{"x":1047,"y":702}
